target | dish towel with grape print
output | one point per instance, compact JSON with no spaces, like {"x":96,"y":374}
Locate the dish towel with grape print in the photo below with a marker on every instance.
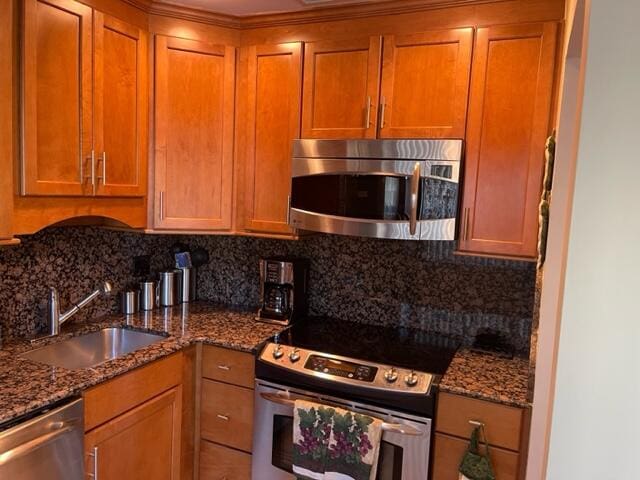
{"x":330,"y":443}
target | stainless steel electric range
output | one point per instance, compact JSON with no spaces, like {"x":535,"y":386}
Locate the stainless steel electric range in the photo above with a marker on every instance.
{"x":389,"y":373}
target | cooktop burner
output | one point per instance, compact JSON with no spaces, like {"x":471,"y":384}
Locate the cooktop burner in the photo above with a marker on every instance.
{"x":399,"y":347}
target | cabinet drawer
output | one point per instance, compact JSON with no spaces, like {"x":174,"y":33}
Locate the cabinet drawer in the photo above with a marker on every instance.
{"x":228,"y":366}
{"x":110,"y":399}
{"x":448,"y":452}
{"x":227,"y":414}
{"x":503,"y":424}
{"x":220,"y":463}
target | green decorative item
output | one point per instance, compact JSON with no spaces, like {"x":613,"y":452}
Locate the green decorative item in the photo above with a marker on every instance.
{"x":476,"y":465}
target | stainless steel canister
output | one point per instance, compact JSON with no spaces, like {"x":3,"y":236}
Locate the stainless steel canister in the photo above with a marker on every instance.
{"x":129,"y":301}
{"x":187,"y":284}
{"x":168,"y":294}
{"x":147,"y":295}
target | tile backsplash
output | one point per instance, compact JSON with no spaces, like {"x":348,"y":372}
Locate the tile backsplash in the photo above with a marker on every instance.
{"x":418,"y":284}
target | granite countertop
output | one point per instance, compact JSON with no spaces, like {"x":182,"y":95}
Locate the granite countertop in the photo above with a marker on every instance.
{"x":26,"y":386}
{"x":488,"y":376}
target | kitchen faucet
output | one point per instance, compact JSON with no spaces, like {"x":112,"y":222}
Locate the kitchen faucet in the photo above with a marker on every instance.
{"x":55,"y":319}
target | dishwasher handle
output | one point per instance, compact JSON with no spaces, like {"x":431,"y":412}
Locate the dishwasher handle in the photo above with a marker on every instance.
{"x":26,"y":447}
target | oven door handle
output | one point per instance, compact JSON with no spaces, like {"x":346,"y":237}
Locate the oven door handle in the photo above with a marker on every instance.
{"x":386,"y":427}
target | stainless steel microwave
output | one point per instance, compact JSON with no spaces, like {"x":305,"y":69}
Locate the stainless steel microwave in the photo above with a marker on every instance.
{"x":401,"y":189}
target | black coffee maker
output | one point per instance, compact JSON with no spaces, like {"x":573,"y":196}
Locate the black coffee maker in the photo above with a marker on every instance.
{"x":283,"y":289}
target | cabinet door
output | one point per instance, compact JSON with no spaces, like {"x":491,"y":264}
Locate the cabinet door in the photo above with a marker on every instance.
{"x":7,"y":126}
{"x":142,"y":443}
{"x":274,"y":74}
{"x":193,"y":134}
{"x":56,"y":98}
{"x":120,"y":107}
{"x":226,"y":415}
{"x":448,"y":452}
{"x":341,"y":81}
{"x":221,"y":463}
{"x":425,"y":84}
{"x":509,"y":117}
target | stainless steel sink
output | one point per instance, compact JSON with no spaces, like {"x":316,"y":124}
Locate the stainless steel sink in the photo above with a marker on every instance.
{"x":93,"y":348}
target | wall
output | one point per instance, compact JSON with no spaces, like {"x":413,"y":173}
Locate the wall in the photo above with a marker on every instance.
{"x":595,"y":423}
{"x":417,"y":284}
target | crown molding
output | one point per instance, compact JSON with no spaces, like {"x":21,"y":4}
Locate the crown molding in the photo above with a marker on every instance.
{"x":314,"y":15}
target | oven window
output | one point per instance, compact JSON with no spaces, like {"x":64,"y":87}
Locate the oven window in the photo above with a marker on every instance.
{"x":374,"y":197}
{"x":282,"y":454}
{"x":389,"y":461}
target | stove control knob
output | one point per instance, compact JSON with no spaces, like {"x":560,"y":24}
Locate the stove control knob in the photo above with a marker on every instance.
{"x":391,"y":375}
{"x":277,"y":351}
{"x":294,"y":356}
{"x":412,"y":379}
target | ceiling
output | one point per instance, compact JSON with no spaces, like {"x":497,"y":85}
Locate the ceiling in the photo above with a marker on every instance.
{"x":243,"y":8}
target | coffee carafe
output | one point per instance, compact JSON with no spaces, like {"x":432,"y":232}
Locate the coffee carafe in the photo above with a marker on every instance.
{"x":283,"y":289}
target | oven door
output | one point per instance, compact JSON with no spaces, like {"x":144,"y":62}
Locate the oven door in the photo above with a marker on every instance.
{"x":403,"y":456}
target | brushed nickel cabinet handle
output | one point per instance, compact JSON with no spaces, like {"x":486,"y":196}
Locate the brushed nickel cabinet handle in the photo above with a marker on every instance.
{"x":415,"y":185}
{"x":94,"y":455}
{"x":367,"y":121}
{"x":383,"y":106}
{"x":288,"y":209}
{"x":93,"y":172}
{"x":223,"y":417}
{"x":161,"y":205}
{"x":104,"y":168}
{"x":224,"y":367}
{"x":465,"y":224}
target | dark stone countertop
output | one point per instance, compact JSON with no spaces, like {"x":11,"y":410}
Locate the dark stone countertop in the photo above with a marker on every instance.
{"x":488,"y":376}
{"x":26,"y":386}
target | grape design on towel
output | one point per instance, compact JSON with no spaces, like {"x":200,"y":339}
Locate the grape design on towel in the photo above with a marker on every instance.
{"x":334,"y":444}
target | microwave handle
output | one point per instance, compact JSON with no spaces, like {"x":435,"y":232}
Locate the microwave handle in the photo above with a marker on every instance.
{"x":415,"y":186}
{"x":386,"y":427}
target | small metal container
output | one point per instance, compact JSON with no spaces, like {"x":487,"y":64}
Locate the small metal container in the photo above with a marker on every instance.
{"x":147,"y":296}
{"x":130,"y":301}
{"x":187,"y":284}
{"x":168,"y":294}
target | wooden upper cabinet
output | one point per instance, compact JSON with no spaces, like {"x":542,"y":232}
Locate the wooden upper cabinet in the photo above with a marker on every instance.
{"x":56,"y":97}
{"x":274,"y":77}
{"x":194,"y":108}
{"x":509,"y":121}
{"x":425,"y":83}
{"x":120,"y":107}
{"x":341,"y":81}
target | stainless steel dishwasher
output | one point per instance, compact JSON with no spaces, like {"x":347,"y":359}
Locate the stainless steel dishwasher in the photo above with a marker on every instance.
{"x":47,"y":446}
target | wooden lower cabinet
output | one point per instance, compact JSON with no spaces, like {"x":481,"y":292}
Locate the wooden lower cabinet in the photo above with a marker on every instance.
{"x":226,"y":414}
{"x":506,"y":430}
{"x":228,"y":366}
{"x":133,"y":423}
{"x":221,"y":463}
{"x":449,"y":450}
{"x":145,"y":439}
